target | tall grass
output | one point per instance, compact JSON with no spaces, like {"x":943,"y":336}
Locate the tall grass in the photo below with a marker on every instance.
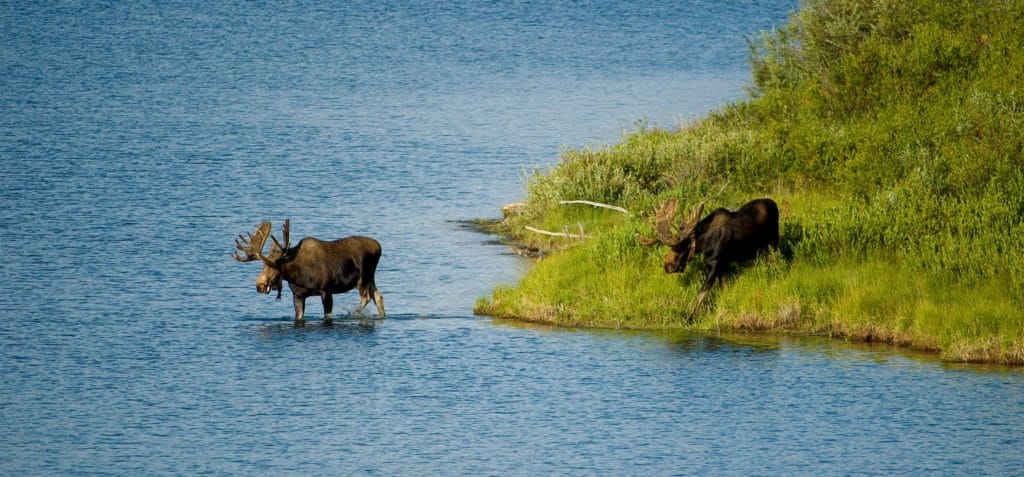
{"x":892,"y":131}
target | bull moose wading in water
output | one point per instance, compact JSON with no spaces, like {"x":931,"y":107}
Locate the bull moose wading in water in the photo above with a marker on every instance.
{"x":723,"y":237}
{"x":314,"y":267}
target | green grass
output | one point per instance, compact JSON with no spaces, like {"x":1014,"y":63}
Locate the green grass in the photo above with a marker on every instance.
{"x":890,"y":131}
{"x":859,"y":301}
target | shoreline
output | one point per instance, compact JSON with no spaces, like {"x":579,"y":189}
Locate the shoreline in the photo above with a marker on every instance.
{"x":712,"y":322}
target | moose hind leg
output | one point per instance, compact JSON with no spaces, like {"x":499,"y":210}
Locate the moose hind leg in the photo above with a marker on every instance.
{"x":370,"y":291}
{"x":364,"y":297}
{"x":367,"y":291}
{"x":378,"y":301}
{"x":328,"y":300}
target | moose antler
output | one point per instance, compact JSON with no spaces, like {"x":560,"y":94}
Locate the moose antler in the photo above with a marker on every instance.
{"x":284,"y":234}
{"x":667,"y":233}
{"x":252,"y":246}
{"x":687,"y":226}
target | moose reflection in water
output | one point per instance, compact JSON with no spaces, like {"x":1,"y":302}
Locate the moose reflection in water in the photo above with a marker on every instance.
{"x":314,"y":267}
{"x":724,"y":237}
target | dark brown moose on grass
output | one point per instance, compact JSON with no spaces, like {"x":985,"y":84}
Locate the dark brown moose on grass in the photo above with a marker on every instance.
{"x":723,"y":237}
{"x":314,"y":267}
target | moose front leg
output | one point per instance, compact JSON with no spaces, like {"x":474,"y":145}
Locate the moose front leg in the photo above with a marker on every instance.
{"x":713,"y":273}
{"x":300,"y":308}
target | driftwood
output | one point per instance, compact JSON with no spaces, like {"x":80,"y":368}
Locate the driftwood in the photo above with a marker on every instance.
{"x":514,"y":208}
{"x":580,"y":236}
{"x":596,"y":204}
{"x":565,"y":233}
{"x":723,"y":188}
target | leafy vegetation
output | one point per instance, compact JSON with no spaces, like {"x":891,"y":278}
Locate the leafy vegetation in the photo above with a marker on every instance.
{"x":892,"y":132}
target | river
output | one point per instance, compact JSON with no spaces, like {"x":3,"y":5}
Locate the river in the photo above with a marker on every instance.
{"x":137,"y":139}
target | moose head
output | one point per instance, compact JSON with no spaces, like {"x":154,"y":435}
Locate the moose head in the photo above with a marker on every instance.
{"x":681,"y":240}
{"x":270,"y":278}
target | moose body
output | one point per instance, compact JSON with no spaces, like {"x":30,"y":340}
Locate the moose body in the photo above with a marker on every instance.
{"x":723,"y":237}
{"x":315,"y":267}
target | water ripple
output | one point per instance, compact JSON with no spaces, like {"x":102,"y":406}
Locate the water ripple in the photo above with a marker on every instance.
{"x":138,"y":139}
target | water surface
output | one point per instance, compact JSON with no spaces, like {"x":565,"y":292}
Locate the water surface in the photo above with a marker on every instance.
{"x":137,"y":139}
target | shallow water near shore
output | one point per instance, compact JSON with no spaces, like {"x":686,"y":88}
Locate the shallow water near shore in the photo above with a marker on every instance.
{"x":137,"y":140}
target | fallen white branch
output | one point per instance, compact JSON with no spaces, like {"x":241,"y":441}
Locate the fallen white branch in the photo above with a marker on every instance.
{"x":723,"y":188}
{"x":596,"y":204}
{"x":556,"y":234}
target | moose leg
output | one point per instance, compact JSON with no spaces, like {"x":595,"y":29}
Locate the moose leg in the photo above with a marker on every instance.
{"x":364,"y":297}
{"x":368,"y":291}
{"x":700,"y":299}
{"x":709,"y":282}
{"x":300,"y":308}
{"x":378,"y":301}
{"x":328,"y":301}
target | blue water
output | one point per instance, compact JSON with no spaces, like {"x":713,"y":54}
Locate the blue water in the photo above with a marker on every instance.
{"x":138,"y":139}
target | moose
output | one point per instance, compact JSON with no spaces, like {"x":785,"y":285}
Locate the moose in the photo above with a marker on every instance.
{"x":314,"y":267}
{"x":723,"y":237}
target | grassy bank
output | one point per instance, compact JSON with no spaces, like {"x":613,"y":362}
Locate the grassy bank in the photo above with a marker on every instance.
{"x":892,"y":131}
